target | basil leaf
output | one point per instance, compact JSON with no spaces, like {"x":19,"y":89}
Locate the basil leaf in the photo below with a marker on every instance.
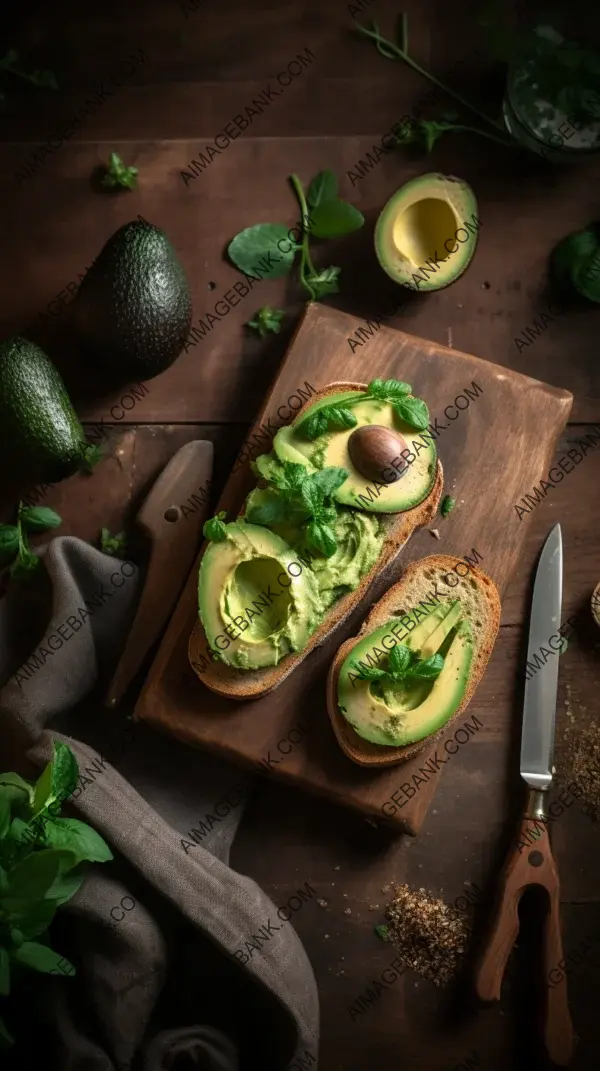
{"x":9,"y":540}
{"x":65,"y":887}
{"x":328,"y":417}
{"x":322,"y":538}
{"x":314,"y":425}
{"x":214,"y":529}
{"x":32,"y":878}
{"x":413,"y":411}
{"x":447,"y":505}
{"x":15,"y":787}
{"x":38,"y":918}
{"x":39,"y":518}
{"x":312,"y":495}
{"x":399,"y":659}
{"x":41,"y":958}
{"x":388,"y":390}
{"x":295,"y":476}
{"x":368,"y":673}
{"x":324,"y":187}
{"x":271,"y":510}
{"x":58,"y":780}
{"x":4,"y":973}
{"x":270,"y":468}
{"x":72,"y":835}
{"x":428,"y":668}
{"x":333,"y":218}
{"x":328,"y":480}
{"x":255,"y":251}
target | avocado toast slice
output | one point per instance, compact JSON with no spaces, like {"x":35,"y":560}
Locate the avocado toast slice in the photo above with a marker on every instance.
{"x":396,"y":528}
{"x":460,"y":619}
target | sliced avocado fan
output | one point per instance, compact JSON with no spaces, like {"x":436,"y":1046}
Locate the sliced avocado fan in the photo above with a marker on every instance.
{"x":426,"y":234}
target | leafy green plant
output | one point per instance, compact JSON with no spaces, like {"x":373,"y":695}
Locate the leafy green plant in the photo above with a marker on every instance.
{"x":215,"y":528}
{"x":90,"y":456}
{"x":575,"y":263}
{"x":308,"y":494}
{"x":42,"y":861}
{"x":113,"y":545}
{"x":412,"y":411}
{"x":427,"y":132}
{"x":118,"y":176}
{"x":267,"y":319}
{"x":402,"y":664}
{"x":14,"y":548}
{"x":267,"y":251}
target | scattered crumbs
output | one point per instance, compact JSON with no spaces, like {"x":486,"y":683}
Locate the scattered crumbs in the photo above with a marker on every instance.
{"x":322,"y":903}
{"x":347,"y":911}
{"x":386,"y":888}
{"x":578,"y":755}
{"x":345,"y":895}
{"x":485,"y":286}
{"x":431,"y":935}
{"x":434,"y":532}
{"x":212,"y":286}
{"x":374,"y":907}
{"x":596,"y":604}
{"x":449,"y":338}
{"x":336,"y":868}
{"x":326,"y":936}
{"x":459,"y":306}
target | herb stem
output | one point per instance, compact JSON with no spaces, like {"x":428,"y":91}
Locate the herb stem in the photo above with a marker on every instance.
{"x":402,"y":54}
{"x":305,"y":258}
{"x":505,"y":142}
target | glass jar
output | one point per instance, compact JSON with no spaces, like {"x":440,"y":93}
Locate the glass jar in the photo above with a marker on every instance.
{"x":541,"y":125}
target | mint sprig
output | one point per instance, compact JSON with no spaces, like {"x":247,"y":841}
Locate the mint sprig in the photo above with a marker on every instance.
{"x":118,"y":175}
{"x":14,"y":546}
{"x":327,"y":418}
{"x":309,"y":493}
{"x":215,"y":529}
{"x":267,"y":319}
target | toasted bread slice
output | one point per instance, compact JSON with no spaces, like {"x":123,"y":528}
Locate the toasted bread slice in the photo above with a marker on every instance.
{"x":250,"y":684}
{"x":480,"y":598}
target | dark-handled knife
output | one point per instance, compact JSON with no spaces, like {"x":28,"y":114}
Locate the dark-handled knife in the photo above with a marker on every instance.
{"x":530,"y":862}
{"x":172,"y":516}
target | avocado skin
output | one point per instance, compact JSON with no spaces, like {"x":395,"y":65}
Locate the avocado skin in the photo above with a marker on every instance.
{"x":40,"y":433}
{"x":133,"y":310}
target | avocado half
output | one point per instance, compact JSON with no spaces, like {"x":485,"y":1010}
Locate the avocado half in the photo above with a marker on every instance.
{"x":425,"y":236}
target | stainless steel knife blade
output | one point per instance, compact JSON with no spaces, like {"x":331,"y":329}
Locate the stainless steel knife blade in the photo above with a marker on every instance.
{"x":539,"y":705}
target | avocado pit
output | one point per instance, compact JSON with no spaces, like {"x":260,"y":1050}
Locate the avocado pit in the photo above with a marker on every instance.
{"x":376,"y":452}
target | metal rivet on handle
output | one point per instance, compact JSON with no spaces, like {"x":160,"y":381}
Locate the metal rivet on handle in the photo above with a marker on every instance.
{"x":173,"y":513}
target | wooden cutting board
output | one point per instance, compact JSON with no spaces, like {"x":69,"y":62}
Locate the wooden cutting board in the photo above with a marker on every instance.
{"x":495,"y":443}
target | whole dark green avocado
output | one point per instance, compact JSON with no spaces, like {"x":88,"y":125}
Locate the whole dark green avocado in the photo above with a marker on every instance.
{"x":133,"y":309}
{"x":40,"y":433}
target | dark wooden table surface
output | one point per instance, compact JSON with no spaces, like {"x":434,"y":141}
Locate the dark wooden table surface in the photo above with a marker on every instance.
{"x":185,"y":72}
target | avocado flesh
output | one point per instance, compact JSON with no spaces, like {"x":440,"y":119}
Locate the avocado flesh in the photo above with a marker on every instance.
{"x":435,"y":640}
{"x":133,"y":309}
{"x":331,"y":448}
{"x":409,"y":712}
{"x":39,"y":428}
{"x":359,"y":540}
{"x":245,"y":577}
{"x":415,"y":234}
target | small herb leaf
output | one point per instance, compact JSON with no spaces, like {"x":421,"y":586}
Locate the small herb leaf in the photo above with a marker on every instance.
{"x":329,"y":479}
{"x":447,"y":506}
{"x":39,"y":518}
{"x":427,"y":668}
{"x":413,"y":411}
{"x":368,"y":673}
{"x":267,"y":319}
{"x":9,"y":540}
{"x":325,"y":282}
{"x":399,"y":660}
{"x":328,"y":417}
{"x":324,"y":187}
{"x":256,"y":251}
{"x":322,"y":538}
{"x":79,"y":838}
{"x":334,"y":218}
{"x":118,"y":176}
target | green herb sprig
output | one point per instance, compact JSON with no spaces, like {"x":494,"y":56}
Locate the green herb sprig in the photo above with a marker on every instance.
{"x":267,"y":319}
{"x":118,"y":176}
{"x":116,"y":546}
{"x":402,"y":664}
{"x":311,"y":494}
{"x":448,"y":504}
{"x":410,"y":410}
{"x":42,"y":861}
{"x":267,"y":251}
{"x":14,"y":547}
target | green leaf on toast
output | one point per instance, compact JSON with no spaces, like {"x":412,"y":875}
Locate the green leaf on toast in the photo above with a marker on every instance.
{"x":322,"y":538}
{"x":399,"y":659}
{"x":427,"y":668}
{"x":329,"y":479}
{"x":413,"y":411}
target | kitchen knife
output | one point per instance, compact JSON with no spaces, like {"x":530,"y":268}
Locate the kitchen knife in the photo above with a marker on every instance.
{"x":172,"y":516}
{"x":530,"y":862}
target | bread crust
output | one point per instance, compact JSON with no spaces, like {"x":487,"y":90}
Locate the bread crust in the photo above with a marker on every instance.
{"x":364,"y":752}
{"x":250,"y":684}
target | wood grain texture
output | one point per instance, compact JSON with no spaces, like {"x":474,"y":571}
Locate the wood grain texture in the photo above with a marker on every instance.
{"x":257,"y":733}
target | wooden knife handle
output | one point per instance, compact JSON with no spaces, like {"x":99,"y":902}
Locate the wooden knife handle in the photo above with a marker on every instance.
{"x":530,"y":863}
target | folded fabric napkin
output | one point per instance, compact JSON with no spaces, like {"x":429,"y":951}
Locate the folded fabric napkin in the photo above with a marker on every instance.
{"x":153,"y":934}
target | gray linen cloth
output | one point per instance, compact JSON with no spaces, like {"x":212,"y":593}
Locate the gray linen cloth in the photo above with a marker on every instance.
{"x":153,"y":934}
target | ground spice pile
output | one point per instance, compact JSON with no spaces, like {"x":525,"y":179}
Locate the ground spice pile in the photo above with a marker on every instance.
{"x":431,"y":936}
{"x":578,"y":755}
